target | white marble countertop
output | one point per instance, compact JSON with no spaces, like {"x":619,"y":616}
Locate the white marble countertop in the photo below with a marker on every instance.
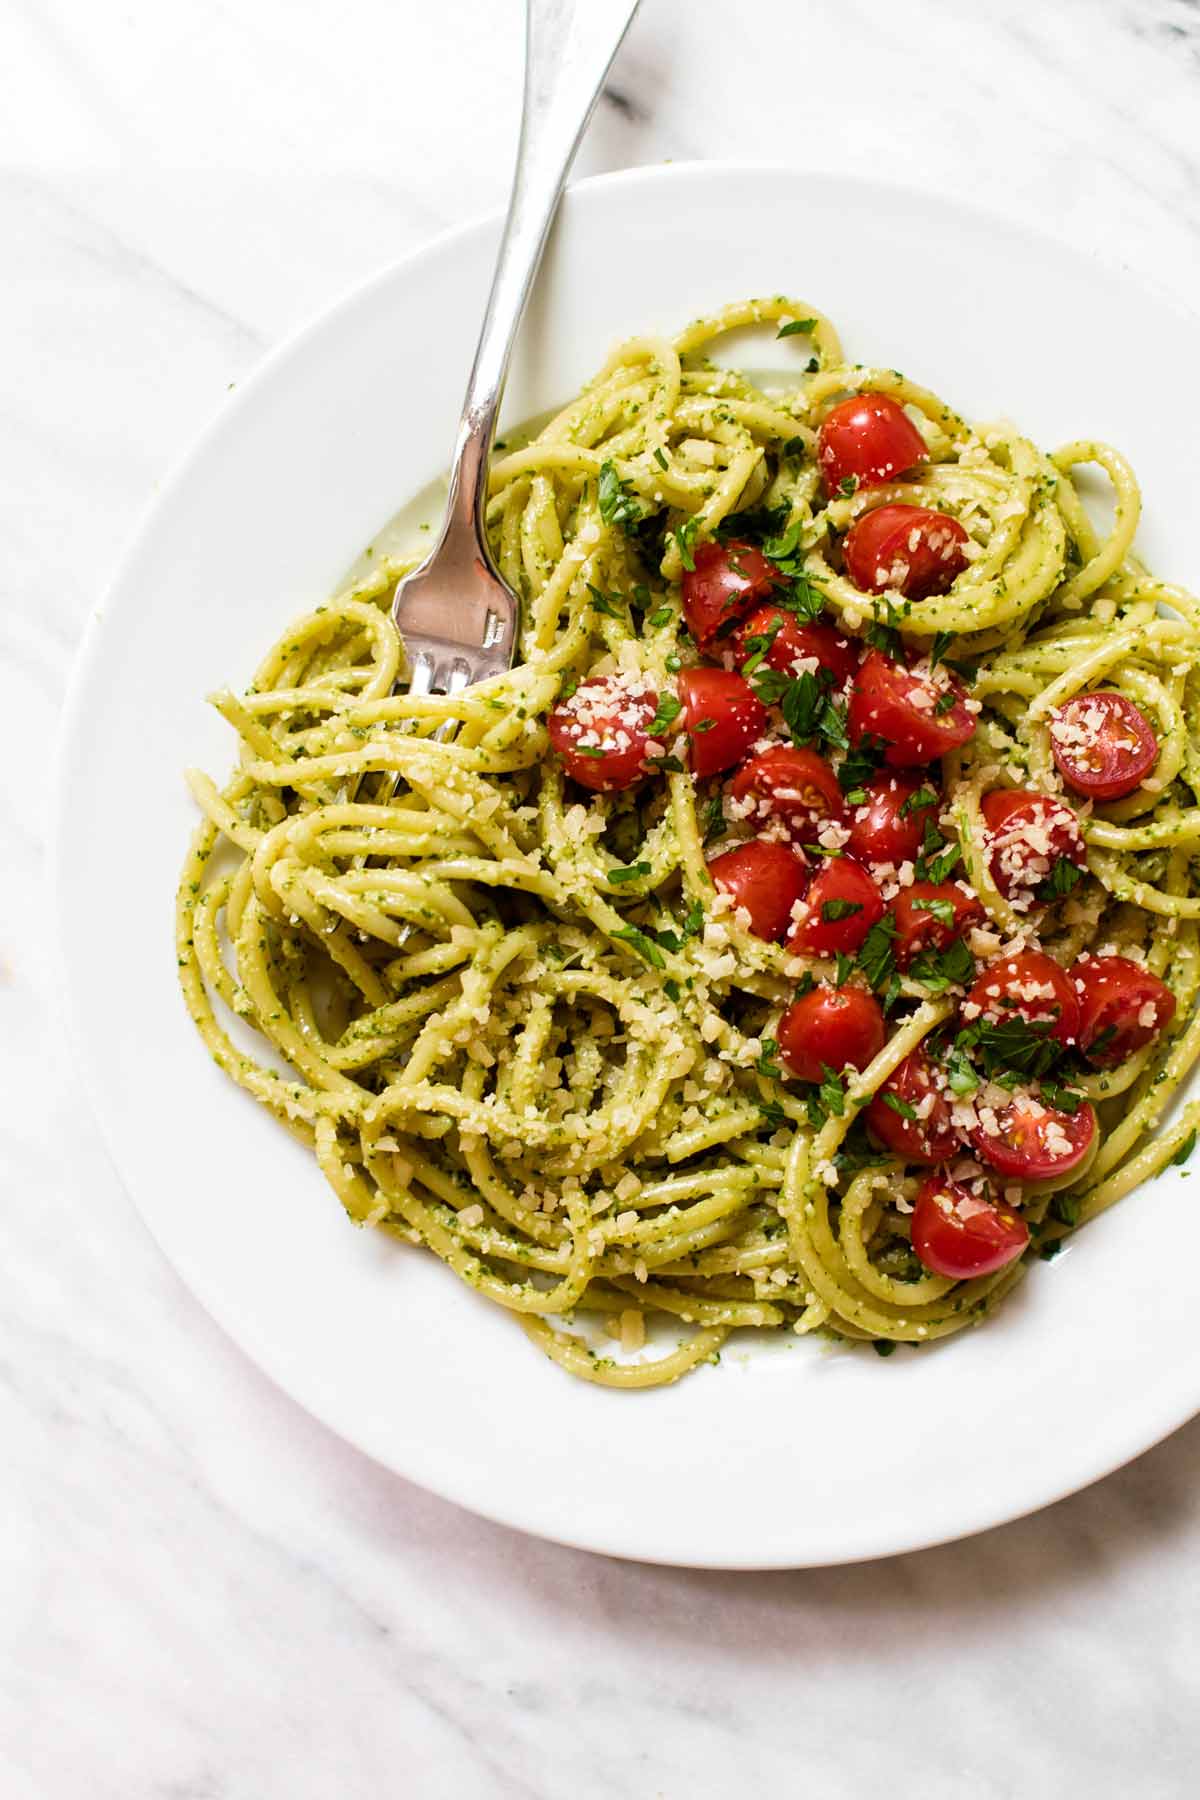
{"x":203,"y":1595}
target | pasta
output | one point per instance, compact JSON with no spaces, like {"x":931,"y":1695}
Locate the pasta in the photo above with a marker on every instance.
{"x":522,"y":1025}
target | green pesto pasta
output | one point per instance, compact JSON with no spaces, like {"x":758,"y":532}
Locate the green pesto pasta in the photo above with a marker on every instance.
{"x":514,"y":1019}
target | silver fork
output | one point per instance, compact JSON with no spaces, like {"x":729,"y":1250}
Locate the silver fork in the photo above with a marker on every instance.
{"x":457,"y":616}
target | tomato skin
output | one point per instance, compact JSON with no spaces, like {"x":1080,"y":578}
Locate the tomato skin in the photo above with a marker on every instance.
{"x":595,"y":710}
{"x":958,"y":1234}
{"x":881,"y":830}
{"x":918,"y":929}
{"x":842,"y":1028}
{"x":797,"y":786}
{"x":1122,"y":751}
{"x":1112,"y":991}
{"x":764,"y":878}
{"x":880,"y":553}
{"x":930,"y":1139}
{"x":881,"y":705}
{"x":727,"y":579}
{"x":997,"y":994}
{"x":738,"y":717}
{"x":867,"y":439}
{"x":1010,"y":815}
{"x":840,"y":879}
{"x":793,"y":641}
{"x":1019,"y":1150}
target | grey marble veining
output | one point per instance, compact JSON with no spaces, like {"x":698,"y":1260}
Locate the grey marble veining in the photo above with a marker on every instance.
{"x":203,"y":1595}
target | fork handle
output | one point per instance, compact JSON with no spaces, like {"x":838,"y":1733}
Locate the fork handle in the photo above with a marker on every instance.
{"x":569,"y":47}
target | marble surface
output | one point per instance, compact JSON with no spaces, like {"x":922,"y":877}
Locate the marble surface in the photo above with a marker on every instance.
{"x":203,"y":1595}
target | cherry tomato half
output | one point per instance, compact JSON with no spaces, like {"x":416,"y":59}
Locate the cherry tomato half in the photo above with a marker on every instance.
{"x":960,"y":1234}
{"x":842,"y":904}
{"x":889,"y":825}
{"x":793,"y":644}
{"x":908,"y":548}
{"x":930,"y":916}
{"x":1030,"y":1141}
{"x":726,"y":580}
{"x":1028,"y":985}
{"x":601,"y":732}
{"x":917,"y":714}
{"x":865,"y":440}
{"x":765,"y":880}
{"x":1122,"y":1007}
{"x":915,"y":1087}
{"x":795,"y":785}
{"x":1028,"y":833}
{"x":1103,"y":744}
{"x":841,"y":1028}
{"x":722,"y":716}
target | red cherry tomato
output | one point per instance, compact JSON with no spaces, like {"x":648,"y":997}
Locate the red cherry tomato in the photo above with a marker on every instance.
{"x":930,"y":1137}
{"x":888,"y":827}
{"x":797,"y":786}
{"x":1122,"y":1007}
{"x":1103,"y":744}
{"x":1027,"y":834}
{"x":792,"y":643}
{"x":841,"y":1028}
{"x":841,"y":905}
{"x":602,"y":734}
{"x":763,"y":879}
{"x":1030,"y":1141}
{"x":867,"y":439}
{"x":726,"y":580}
{"x":922,"y":920}
{"x":960,"y":1234}
{"x":722,"y":716}
{"x":1028,"y":985}
{"x":888,"y":700}
{"x":910,"y":548}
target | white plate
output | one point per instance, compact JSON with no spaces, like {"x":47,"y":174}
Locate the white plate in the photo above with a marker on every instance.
{"x":779,"y":1457}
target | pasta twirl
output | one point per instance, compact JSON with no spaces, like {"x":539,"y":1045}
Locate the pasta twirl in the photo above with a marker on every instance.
{"x":514,"y":1018}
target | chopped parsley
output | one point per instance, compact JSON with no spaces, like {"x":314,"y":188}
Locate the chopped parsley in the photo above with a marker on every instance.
{"x":918,"y":800}
{"x":900,"y":1106}
{"x":937,"y":868}
{"x":634,"y":872}
{"x":833,"y":910}
{"x":758,"y":645}
{"x":1065,"y":1099}
{"x":766,"y":1064}
{"x":939,"y":969}
{"x":645,"y":946}
{"x":861,"y":762}
{"x":877,"y":957}
{"x":796,"y":326}
{"x":942,"y":910}
{"x":668,"y":710}
{"x":619,"y":504}
{"x":1064,"y":876}
{"x":1011,"y":1046}
{"x":609,"y":604}
{"x":713,"y":822}
{"x":685,"y":538}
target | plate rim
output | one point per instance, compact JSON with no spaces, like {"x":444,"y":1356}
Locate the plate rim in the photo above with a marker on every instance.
{"x":1154,"y":1423}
